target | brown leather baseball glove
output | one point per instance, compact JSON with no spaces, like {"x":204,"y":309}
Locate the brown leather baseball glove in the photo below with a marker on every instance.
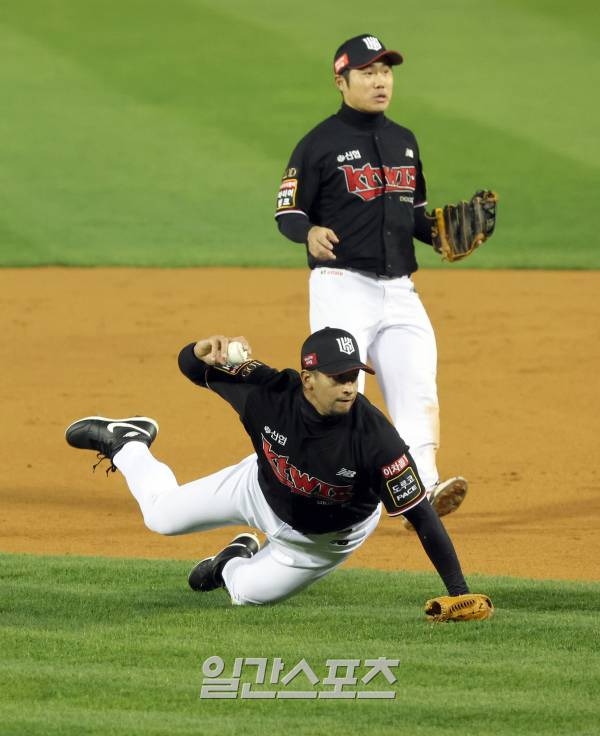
{"x":456,"y":230}
{"x":467,"y":607}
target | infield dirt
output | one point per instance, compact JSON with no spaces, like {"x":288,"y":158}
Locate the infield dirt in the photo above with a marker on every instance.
{"x":517,"y":376}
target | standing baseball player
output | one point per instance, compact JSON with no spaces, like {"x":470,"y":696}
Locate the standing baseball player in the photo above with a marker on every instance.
{"x":354,"y":193}
{"x":325,"y":458}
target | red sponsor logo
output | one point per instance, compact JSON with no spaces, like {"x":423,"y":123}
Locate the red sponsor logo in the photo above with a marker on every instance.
{"x":370,"y":182}
{"x":395,"y":467}
{"x":310,"y":360}
{"x":340,"y":63}
{"x":303,"y":483}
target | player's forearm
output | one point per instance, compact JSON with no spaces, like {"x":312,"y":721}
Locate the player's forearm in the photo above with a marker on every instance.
{"x":202,"y":374}
{"x":438,"y":546}
{"x":294,"y":226}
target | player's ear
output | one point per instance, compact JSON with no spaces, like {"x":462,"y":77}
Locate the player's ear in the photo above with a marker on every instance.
{"x":307,"y":378}
{"x":340,"y":82}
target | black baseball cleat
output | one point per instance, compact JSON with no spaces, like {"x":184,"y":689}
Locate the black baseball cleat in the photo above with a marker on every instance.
{"x":107,"y":436}
{"x":207,"y":573}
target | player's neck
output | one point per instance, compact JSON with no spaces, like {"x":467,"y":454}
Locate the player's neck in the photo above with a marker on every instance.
{"x":360,"y":119}
{"x":311,"y":413}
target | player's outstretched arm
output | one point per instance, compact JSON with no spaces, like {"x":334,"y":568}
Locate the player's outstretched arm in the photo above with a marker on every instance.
{"x":438,"y":546}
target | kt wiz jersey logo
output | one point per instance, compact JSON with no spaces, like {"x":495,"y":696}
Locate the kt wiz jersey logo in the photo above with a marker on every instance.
{"x":369,"y":182}
{"x":303,"y":483}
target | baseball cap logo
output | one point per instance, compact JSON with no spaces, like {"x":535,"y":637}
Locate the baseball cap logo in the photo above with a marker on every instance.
{"x":332,"y":351}
{"x":372,"y":43}
{"x":345,"y":345}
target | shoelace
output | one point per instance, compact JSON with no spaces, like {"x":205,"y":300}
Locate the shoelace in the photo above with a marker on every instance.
{"x":101,"y":458}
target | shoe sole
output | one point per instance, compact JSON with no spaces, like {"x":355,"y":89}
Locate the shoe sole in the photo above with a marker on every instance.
{"x":449,"y":495}
{"x":130,"y":420}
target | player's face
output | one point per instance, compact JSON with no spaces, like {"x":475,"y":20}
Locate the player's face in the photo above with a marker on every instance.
{"x":369,"y":89}
{"x":330,"y":395}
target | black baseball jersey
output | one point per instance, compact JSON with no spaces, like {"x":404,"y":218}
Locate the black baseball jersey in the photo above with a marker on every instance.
{"x":319,"y":474}
{"x":361,"y":175}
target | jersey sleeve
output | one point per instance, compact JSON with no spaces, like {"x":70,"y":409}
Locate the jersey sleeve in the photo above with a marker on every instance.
{"x":422,"y":229}
{"x":393,"y":472}
{"x":298,"y":189}
{"x":421,"y":186}
{"x":232,"y":383}
{"x":400,"y":487}
{"x":397,"y":480}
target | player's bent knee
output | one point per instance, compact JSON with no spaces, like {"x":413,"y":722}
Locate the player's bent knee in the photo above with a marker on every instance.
{"x":160,"y":525}
{"x":246,"y":584}
{"x":248,"y":593}
{"x":245,"y":599}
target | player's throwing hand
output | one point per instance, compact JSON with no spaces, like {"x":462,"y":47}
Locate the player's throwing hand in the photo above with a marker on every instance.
{"x":213,"y":350}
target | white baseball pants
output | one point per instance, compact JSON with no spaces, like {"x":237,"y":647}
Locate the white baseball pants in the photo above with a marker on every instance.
{"x":393,"y":331}
{"x":286,"y":563}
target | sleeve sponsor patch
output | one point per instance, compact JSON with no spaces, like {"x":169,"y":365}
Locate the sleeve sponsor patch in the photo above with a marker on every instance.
{"x":243,"y":370}
{"x":404,"y":489}
{"x":395,"y":467}
{"x":286,"y":197}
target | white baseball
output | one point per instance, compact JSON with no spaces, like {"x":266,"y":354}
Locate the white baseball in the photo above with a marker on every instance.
{"x":236,"y":353}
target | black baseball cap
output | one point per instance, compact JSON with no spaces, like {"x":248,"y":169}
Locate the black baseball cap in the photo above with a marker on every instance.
{"x":361,"y":51}
{"x":331,"y":351}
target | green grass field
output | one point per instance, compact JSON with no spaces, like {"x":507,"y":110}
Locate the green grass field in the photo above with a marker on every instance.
{"x":155,"y":133}
{"x":98,"y":646}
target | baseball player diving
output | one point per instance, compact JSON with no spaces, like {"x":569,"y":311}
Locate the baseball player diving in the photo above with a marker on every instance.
{"x":325,"y":460}
{"x":354,"y":193}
